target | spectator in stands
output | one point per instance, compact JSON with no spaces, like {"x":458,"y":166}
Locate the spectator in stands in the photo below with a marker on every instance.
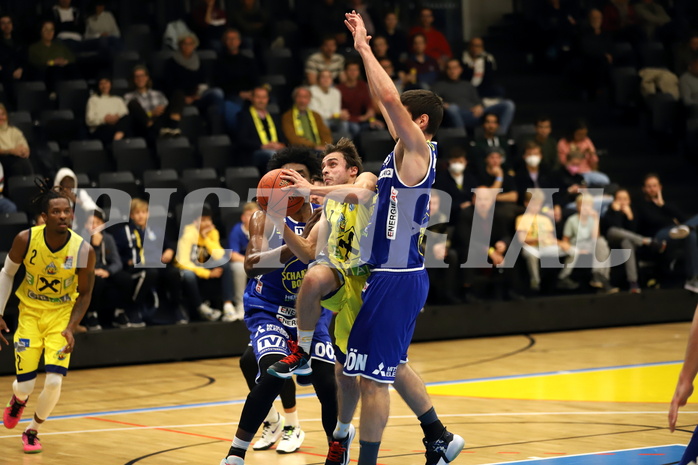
{"x":578,"y":236}
{"x":69,"y":24}
{"x":209,"y":22}
{"x":593,"y":70}
{"x":492,"y":136}
{"x":106,"y":115}
{"x":652,"y":17}
{"x":102,"y":29}
{"x":253,"y":22}
{"x":356,"y":100}
{"x":687,"y":52}
{"x":657,"y":218}
{"x":112,"y":284}
{"x":536,"y":232}
{"x":444,"y":281}
{"x":327,"y":58}
{"x":436,"y":44}
{"x":620,"y":20}
{"x":303,"y":126}
{"x":570,"y":183}
{"x":238,"y":239}
{"x":12,"y":57}
{"x":481,"y":69}
{"x":557,"y":23}
{"x":547,"y":144}
{"x":14,"y":149}
{"x":380,"y":47}
{"x":418,"y":62}
{"x":83,"y":204}
{"x":403,"y":80}
{"x":577,"y":138}
{"x":494,"y":176}
{"x":185,"y":80}
{"x":6,"y":205}
{"x":620,"y":224}
{"x":51,"y":60}
{"x":259,"y":133}
{"x":327,"y":102}
{"x":366,"y":12}
{"x":463,"y":104}
{"x":151,"y":112}
{"x":200,"y":242}
{"x":323,"y":21}
{"x":490,"y":241}
{"x":396,"y":37}
{"x":688,"y":84}
{"x":236,"y":74}
{"x":457,"y":183}
{"x":532,"y":174}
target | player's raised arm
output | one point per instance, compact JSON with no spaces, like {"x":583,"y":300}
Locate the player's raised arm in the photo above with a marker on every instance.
{"x":259,"y":259}
{"x":86,"y":281}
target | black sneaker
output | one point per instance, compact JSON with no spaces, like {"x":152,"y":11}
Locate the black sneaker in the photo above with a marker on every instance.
{"x":121,"y":320}
{"x":444,"y":450}
{"x":339,"y":449}
{"x":136,"y":319}
{"x":297,"y":363}
{"x":567,"y":283}
{"x":92,"y":322}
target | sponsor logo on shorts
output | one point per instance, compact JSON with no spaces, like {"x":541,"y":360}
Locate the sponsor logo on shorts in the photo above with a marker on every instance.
{"x":259,"y":286}
{"x":21,"y":345}
{"x":324,"y":350}
{"x":60,"y":355}
{"x":290,"y":322}
{"x":287,"y":311}
{"x":386,"y":173}
{"x":391,"y":224}
{"x":355,"y":361}
{"x":386,"y":373}
{"x":272,"y":341}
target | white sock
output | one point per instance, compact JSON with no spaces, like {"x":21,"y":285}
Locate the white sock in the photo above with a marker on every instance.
{"x":305,"y":339}
{"x":240,"y":444}
{"x":49,"y":395}
{"x":341,"y":431}
{"x":22,"y":389}
{"x":33,"y":425}
{"x":272,"y":416}
{"x":292,"y":418}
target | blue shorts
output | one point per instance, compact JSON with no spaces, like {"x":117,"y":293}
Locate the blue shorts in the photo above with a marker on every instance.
{"x":384,"y":327}
{"x":690,"y":455}
{"x":272,"y":326}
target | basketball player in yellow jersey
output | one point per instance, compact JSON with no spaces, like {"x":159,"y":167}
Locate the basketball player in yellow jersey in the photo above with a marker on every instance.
{"x":53,"y":298}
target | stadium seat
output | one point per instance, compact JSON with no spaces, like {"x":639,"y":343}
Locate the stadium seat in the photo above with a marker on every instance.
{"x":626,"y":86}
{"x":10,"y":225}
{"x":653,"y":55}
{"x":124,"y":63}
{"x":157,"y":68}
{"x":60,"y":126}
{"x":664,"y":109}
{"x":241,"y":179}
{"x":89,"y":157}
{"x":230,"y":217}
{"x":161,"y":179}
{"x":375,"y":145}
{"x":73,"y":95}
{"x":176,"y":154}
{"x":191,"y":124}
{"x":120,"y":86}
{"x":138,"y":38}
{"x":32,"y":97}
{"x":199,"y":178}
{"x":623,"y":54}
{"x":447,"y":138}
{"x":216,"y":152}
{"x":23,"y":121}
{"x":278,"y":61}
{"x":132,"y":155}
{"x":373,"y":167}
{"x":208,"y":61}
{"x":519,"y":131}
{"x":121,"y":180}
{"x":280,"y":93}
{"x":22,"y":190}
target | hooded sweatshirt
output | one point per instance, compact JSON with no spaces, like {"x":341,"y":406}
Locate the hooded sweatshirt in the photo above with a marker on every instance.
{"x":85,"y":202}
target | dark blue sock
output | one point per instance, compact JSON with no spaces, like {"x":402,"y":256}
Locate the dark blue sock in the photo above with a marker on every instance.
{"x":368,"y":454}
{"x":431,"y":425}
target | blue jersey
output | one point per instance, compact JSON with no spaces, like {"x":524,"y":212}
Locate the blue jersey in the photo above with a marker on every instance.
{"x":281,"y":286}
{"x":395,"y":238}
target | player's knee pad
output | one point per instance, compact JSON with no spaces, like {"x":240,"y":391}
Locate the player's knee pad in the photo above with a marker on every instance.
{"x":23,"y":388}
{"x":53,"y":382}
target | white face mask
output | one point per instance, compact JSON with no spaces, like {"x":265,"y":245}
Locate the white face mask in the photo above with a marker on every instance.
{"x":533,"y":160}
{"x":456,"y":168}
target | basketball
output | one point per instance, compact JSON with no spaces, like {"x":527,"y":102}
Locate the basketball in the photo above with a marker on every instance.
{"x":272,"y":199}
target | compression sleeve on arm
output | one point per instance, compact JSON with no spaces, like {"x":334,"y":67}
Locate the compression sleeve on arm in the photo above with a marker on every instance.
{"x":7,"y":275}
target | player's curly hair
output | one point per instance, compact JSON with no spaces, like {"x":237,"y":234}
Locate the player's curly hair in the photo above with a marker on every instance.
{"x":47,"y":192}
{"x":300,"y":155}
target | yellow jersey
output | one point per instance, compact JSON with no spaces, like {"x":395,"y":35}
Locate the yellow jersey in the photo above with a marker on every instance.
{"x":51,"y":275}
{"x":347,"y":223}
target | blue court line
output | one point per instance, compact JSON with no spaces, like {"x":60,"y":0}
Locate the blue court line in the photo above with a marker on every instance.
{"x":305,"y":396}
{"x":548,"y":373}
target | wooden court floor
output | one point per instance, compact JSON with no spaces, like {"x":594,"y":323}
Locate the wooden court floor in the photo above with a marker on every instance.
{"x":521,"y":397}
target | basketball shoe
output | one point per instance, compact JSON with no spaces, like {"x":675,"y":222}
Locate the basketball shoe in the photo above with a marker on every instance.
{"x":13,"y":412}
{"x":339,"y":449}
{"x":270,"y":434}
{"x":292,"y":440}
{"x":445,"y":449}
{"x":233,"y":460}
{"x":31,"y":442}
{"x":297,"y":363}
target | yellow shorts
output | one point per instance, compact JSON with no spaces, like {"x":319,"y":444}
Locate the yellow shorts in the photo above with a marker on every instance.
{"x":40,"y":330}
{"x":346,"y":303}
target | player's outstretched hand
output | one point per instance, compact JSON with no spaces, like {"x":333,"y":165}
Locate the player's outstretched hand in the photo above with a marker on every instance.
{"x":300,"y":184}
{"x":684,"y":389}
{"x":3,"y":329}
{"x":356,"y":26}
{"x":67,"y":333}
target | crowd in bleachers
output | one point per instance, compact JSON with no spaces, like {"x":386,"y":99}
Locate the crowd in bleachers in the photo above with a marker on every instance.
{"x":206,"y":99}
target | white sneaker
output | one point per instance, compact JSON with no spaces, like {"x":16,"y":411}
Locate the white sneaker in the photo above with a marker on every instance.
{"x":679,"y":232}
{"x":692,"y":285}
{"x":233,"y":460}
{"x":228,"y":312}
{"x":270,"y":434}
{"x":240,"y":312}
{"x":292,"y":440}
{"x":208,"y":313}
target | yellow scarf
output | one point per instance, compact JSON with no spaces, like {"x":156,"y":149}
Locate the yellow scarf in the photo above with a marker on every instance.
{"x":298,"y":126}
{"x":260,"y":127}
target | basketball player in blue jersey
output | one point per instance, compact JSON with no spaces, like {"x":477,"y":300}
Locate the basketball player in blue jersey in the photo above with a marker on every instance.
{"x":53,"y":298}
{"x":397,"y":288}
{"x":270,"y":313}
